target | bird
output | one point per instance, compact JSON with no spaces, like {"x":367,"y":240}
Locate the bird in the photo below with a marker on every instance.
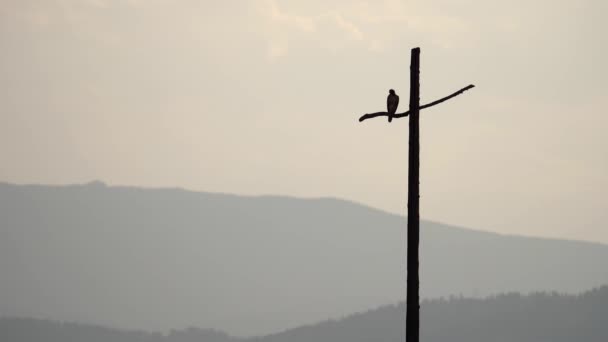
{"x":392,"y":101}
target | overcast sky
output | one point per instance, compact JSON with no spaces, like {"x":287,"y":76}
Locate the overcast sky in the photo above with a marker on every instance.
{"x":262,"y":97}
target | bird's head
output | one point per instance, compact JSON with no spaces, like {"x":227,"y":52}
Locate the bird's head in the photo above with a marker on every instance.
{"x":392,"y":92}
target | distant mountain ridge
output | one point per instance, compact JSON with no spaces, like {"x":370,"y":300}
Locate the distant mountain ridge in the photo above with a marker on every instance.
{"x":155,"y":259}
{"x":539,"y":317}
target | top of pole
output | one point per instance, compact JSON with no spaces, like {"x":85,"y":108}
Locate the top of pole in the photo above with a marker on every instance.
{"x":415,"y":51}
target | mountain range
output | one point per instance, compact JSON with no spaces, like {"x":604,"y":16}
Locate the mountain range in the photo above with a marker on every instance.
{"x":157,"y":259}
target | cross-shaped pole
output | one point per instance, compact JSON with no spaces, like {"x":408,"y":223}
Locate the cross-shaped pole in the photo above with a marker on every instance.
{"x":412,"y":320}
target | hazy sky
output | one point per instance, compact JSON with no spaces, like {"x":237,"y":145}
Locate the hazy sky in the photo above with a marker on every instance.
{"x":263,"y":96}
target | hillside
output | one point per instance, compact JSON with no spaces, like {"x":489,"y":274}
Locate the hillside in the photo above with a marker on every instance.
{"x":539,"y":317}
{"x":506,"y":317}
{"x":155,"y":259}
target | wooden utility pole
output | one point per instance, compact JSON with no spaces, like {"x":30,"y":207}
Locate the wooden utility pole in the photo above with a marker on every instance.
{"x":412,"y":315}
{"x":412,"y":323}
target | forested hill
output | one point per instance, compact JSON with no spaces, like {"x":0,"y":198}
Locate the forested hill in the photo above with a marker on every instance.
{"x":537,"y":317}
{"x":504,"y":318}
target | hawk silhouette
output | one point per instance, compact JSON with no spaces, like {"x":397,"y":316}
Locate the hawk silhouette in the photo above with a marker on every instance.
{"x":392,"y":101}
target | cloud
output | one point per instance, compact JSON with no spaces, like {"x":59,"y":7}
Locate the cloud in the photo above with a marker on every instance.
{"x":276,"y":50}
{"x":372,"y":26}
{"x":349,"y":27}
{"x":97,"y":3}
{"x":302,"y":23}
{"x":285,"y":25}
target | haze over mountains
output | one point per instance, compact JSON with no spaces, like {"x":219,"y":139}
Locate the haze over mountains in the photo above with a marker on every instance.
{"x":263,"y":96}
{"x":157,"y":259}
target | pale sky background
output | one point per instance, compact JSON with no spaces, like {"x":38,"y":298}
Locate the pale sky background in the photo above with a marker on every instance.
{"x":262,"y":97}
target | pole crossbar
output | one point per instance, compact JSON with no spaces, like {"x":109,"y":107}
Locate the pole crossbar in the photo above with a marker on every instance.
{"x":404,"y":114}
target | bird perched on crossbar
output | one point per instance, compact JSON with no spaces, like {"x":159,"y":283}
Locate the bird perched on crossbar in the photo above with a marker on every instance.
{"x":392,"y":101}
